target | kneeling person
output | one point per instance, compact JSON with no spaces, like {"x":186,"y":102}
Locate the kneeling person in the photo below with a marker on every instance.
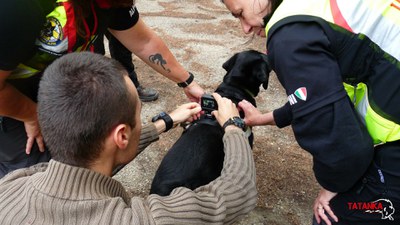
{"x":89,"y":113}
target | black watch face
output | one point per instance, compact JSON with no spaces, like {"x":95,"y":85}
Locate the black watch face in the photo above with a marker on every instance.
{"x":157,"y":117}
{"x":239,"y":122}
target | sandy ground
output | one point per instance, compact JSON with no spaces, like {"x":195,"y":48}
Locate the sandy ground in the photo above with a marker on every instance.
{"x":203,"y":35}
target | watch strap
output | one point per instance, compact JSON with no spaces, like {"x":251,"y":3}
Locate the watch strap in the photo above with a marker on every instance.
{"x":187,"y":82}
{"x":231,"y":121}
{"x":169,"y":123}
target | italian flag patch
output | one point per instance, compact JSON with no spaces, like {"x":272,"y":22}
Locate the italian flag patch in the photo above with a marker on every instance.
{"x":301,"y":93}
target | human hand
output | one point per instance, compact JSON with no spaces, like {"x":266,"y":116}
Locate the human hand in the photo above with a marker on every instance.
{"x":321,"y":205}
{"x":194,"y":92}
{"x":186,"y":112}
{"x":226,"y":109}
{"x":33,"y":133}
{"x":253,"y":117}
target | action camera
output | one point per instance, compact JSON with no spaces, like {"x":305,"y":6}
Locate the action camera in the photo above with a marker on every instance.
{"x":208,"y":103}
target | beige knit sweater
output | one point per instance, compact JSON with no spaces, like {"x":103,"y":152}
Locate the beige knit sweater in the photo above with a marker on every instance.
{"x":56,"y":193}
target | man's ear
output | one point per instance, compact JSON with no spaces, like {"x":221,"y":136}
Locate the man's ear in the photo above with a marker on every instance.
{"x":229,"y":63}
{"x":121,"y":135}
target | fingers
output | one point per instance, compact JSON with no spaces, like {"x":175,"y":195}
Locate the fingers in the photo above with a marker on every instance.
{"x":226,"y":109}
{"x":195,"y":110}
{"x":40,"y":142}
{"x":33,"y":135}
{"x":195,"y":107}
{"x":251,"y":114}
{"x":321,"y":213}
{"x":328,"y":209}
{"x":244,"y":104}
{"x":29,"y":144}
{"x":322,"y":209}
{"x":217,"y":96}
{"x":186,"y":112}
{"x":317,"y":218}
{"x":194,"y":92}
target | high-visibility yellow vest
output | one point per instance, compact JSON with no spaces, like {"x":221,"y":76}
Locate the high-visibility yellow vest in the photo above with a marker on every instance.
{"x":377,"y":19}
{"x":57,"y":38}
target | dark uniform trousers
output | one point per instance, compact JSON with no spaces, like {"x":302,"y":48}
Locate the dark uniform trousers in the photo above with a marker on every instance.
{"x":380,"y":187}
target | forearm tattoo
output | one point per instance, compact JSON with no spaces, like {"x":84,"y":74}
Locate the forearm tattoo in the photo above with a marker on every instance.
{"x":159,"y":60}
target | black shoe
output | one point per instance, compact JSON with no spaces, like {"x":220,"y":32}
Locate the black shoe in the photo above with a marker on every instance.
{"x":147,"y":94}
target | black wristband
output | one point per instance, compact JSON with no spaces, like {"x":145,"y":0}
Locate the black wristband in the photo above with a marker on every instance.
{"x":187,"y":82}
{"x":169,"y":123}
{"x":236,"y":121}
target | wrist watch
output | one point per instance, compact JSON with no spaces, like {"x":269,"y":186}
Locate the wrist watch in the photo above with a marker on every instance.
{"x":169,"y":123}
{"x":187,"y":82}
{"x":237,"y":121}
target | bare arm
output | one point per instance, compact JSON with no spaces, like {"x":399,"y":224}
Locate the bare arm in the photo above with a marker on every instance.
{"x":15,"y":105}
{"x":149,"y":47}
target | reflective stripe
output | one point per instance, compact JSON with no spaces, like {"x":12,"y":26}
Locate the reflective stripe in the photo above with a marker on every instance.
{"x":51,"y":41}
{"x":319,"y":8}
{"x":57,"y":37}
{"x":377,"y":19}
{"x":22,"y":72}
{"x":380,"y":129}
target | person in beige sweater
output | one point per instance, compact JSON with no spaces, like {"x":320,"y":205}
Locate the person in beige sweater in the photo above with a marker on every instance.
{"x":89,"y":113}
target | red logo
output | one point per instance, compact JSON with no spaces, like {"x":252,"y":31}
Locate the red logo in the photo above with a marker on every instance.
{"x":380,"y":206}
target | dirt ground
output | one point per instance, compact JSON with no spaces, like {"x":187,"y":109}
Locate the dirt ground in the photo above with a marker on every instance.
{"x":203,"y":35}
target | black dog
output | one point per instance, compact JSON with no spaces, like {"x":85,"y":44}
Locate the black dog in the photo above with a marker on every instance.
{"x":197,"y":157}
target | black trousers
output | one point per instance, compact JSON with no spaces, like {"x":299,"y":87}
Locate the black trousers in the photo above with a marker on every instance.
{"x":375,"y":198}
{"x":12,"y":147}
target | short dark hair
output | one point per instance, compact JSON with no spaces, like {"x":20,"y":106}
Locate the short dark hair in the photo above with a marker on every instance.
{"x":82,"y":97}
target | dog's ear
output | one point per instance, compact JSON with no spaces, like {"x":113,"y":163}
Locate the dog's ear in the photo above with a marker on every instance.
{"x":230,"y":62}
{"x":265,"y":71}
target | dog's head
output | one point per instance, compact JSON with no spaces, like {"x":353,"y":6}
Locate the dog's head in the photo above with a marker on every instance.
{"x":246,"y":72}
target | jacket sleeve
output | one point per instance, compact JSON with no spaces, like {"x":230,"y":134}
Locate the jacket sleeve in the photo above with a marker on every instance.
{"x":123,"y":18}
{"x":340,"y":144}
{"x":148,"y":135}
{"x":323,"y":119}
{"x":223,"y":200}
{"x":283,"y":116}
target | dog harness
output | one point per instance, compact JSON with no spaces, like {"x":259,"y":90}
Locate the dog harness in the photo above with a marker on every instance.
{"x":377,"y":20}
